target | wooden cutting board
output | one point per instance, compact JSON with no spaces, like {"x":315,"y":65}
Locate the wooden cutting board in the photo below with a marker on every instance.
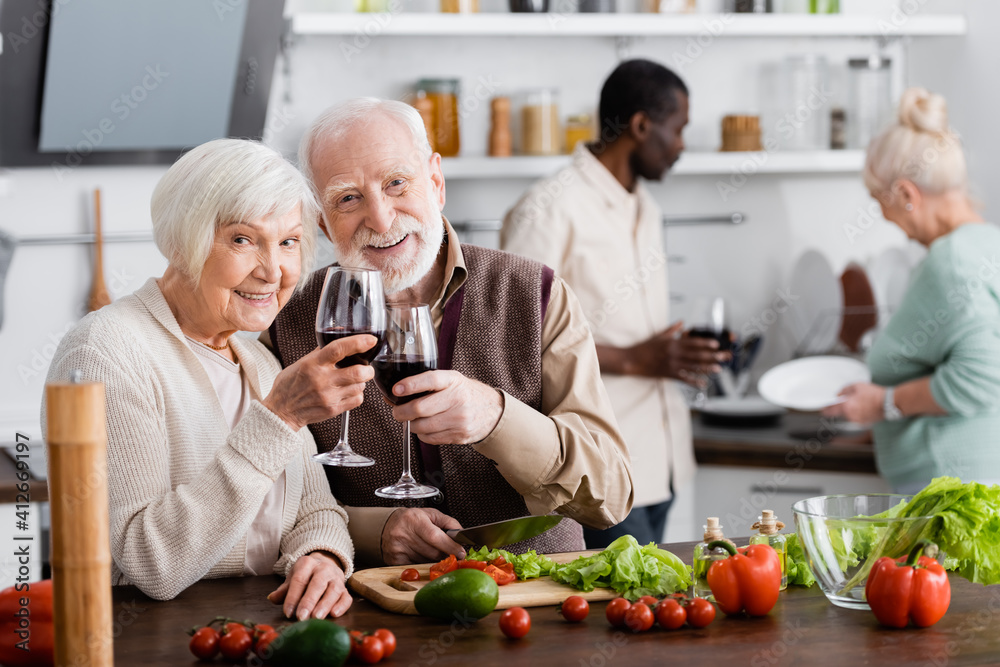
{"x":383,"y":587}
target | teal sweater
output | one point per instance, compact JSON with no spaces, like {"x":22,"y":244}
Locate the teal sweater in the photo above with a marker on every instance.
{"x":947,"y":327}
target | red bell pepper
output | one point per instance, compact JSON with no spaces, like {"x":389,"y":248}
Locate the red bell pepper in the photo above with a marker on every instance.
{"x":17,"y":619}
{"x":912,"y":588}
{"x":747,"y":581}
{"x":449,"y":564}
{"x":471,"y":565}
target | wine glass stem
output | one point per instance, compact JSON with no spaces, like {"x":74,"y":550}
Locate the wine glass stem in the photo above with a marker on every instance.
{"x":343,"y":445}
{"x":406,"y":476}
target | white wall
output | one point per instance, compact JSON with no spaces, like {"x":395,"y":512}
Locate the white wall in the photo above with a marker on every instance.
{"x":47,"y":286}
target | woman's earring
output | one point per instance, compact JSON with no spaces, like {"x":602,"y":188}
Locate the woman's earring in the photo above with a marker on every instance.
{"x":909,"y":207}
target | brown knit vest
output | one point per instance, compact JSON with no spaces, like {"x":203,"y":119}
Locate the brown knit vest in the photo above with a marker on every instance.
{"x":491,"y":332}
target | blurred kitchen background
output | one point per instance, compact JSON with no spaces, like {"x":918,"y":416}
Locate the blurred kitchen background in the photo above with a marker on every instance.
{"x":800,"y":195}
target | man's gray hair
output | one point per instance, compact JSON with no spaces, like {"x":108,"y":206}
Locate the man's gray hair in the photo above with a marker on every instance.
{"x":225,"y":181}
{"x":340,"y":119}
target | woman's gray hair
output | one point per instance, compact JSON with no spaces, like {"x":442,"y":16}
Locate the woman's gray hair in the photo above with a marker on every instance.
{"x":341,"y":118}
{"x":225,"y":181}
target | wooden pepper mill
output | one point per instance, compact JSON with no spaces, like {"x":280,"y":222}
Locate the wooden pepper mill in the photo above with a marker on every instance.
{"x":81,"y":547}
{"x":500,"y":143}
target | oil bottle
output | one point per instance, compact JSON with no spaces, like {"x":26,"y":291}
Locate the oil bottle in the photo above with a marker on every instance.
{"x":704,"y":557}
{"x":769,"y":534}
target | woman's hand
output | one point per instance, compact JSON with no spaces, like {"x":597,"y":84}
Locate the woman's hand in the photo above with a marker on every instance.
{"x":864,"y":404}
{"x":315,"y":587}
{"x":313,"y":389}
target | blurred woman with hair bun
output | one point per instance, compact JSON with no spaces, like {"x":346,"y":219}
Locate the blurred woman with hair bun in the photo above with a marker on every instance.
{"x":934,"y":398}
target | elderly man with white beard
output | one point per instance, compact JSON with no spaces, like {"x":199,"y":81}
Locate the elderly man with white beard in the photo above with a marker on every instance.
{"x":516,"y":420}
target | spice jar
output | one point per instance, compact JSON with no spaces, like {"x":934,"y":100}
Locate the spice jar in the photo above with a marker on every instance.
{"x":578,"y":128}
{"x":769,"y":527}
{"x":500,"y":140}
{"x":444,"y":130}
{"x":539,"y":122}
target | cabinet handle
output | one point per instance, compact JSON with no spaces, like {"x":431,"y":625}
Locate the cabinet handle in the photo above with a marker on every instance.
{"x":804,"y":491}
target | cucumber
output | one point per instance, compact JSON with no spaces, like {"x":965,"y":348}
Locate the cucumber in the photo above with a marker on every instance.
{"x":458,"y":595}
{"x":314,"y":642}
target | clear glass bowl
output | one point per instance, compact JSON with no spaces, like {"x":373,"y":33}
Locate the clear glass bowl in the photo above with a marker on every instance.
{"x":841,"y":540}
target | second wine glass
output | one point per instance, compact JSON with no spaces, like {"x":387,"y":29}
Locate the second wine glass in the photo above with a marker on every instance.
{"x":410,"y":349}
{"x":352,"y":303}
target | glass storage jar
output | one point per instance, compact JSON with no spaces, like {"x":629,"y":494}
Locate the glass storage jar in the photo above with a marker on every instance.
{"x":870,"y":99}
{"x":538,"y":122}
{"x":444,"y":130}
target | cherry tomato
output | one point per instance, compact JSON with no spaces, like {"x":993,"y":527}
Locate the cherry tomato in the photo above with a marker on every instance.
{"x":515,"y":622}
{"x":670,"y":614}
{"x":388,"y":641}
{"x":369,"y":650}
{"x":700,"y":613}
{"x":356,"y":637}
{"x":574,"y":609}
{"x":500,"y":576}
{"x":449,"y":564}
{"x":263,"y":642}
{"x":233,"y":626}
{"x":259,"y":631}
{"x":648,"y":599}
{"x":409,"y":574}
{"x":235,"y":645}
{"x":615,"y":611}
{"x":205,"y":643}
{"x":639,"y":618}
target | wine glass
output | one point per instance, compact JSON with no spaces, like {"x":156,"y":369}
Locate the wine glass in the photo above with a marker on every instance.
{"x":352,"y":303}
{"x":410,"y":349}
{"x":709,"y":321}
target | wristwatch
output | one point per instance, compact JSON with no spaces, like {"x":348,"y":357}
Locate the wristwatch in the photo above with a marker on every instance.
{"x":892,"y":413}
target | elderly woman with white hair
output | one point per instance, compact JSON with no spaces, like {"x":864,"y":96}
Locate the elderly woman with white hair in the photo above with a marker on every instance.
{"x":935,"y":392}
{"x":209,"y":461}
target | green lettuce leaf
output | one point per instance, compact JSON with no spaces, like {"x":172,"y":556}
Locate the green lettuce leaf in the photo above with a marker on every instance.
{"x":529,"y":565}
{"x":629,"y":569}
{"x":796,"y":565}
{"x":965,"y":524}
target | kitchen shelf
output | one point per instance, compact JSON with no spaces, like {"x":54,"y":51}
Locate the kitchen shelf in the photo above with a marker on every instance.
{"x":612,"y":25}
{"x":690,"y":164}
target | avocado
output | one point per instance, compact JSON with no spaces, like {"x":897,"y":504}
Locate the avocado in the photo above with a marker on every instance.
{"x":460,"y":594}
{"x":313,"y":642}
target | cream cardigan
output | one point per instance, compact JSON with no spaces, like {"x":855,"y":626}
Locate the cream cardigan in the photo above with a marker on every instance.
{"x":184,"y":487}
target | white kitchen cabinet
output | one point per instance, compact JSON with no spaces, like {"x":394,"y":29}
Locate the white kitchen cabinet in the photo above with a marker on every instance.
{"x":738,"y":494}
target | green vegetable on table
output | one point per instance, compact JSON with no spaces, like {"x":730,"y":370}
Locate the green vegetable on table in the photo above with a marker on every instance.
{"x":529,"y":565}
{"x":629,"y":569}
{"x":965,"y":525}
{"x":796,"y":565}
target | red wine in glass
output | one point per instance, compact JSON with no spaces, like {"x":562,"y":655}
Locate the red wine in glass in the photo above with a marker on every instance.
{"x":722,"y":337}
{"x":327,"y":336}
{"x":390,"y":369}
{"x":352,"y":303}
{"x":410,"y":349}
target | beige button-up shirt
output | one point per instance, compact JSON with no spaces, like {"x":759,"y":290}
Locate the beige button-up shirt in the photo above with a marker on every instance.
{"x":607,"y":244}
{"x":567,"y":458}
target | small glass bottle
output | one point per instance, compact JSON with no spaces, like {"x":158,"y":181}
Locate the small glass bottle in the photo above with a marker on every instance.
{"x":769,"y":527}
{"x":704,"y":557}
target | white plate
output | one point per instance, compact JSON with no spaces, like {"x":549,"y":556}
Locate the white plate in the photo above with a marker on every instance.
{"x":811,"y":383}
{"x":815,"y":318}
{"x":751,"y":406}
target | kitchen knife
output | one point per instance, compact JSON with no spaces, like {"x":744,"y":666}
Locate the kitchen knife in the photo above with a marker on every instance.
{"x":502,"y":533}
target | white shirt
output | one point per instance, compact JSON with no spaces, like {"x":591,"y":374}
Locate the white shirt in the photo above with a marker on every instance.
{"x":233,"y":390}
{"x":607,"y":244}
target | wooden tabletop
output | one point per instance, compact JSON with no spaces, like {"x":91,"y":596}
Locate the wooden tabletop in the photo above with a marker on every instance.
{"x":803,"y":628}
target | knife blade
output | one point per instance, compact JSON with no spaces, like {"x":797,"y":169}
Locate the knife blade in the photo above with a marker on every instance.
{"x":501,"y":533}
